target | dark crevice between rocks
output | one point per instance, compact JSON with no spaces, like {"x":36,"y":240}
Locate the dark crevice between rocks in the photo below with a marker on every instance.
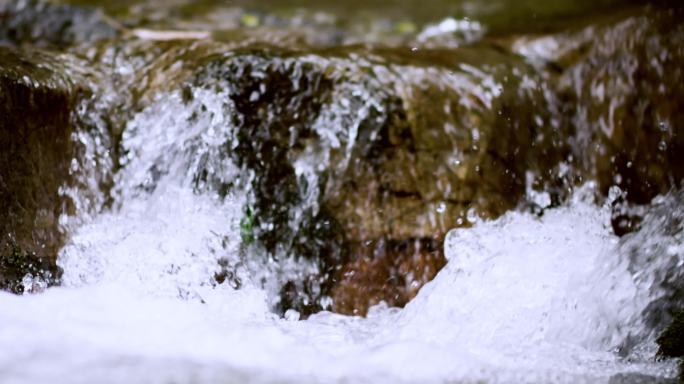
{"x":671,"y":341}
{"x":16,"y":263}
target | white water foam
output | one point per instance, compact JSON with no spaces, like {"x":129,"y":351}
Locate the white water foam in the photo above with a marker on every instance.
{"x":521,"y":299}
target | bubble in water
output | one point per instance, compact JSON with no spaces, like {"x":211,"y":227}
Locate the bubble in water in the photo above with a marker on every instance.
{"x":441,"y":207}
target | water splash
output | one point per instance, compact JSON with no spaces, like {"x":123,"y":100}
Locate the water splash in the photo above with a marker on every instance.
{"x":517,"y":301}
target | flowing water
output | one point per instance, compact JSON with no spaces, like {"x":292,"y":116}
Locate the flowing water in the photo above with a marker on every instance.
{"x":517,"y":302}
{"x":544,"y":295}
{"x":522,"y":298}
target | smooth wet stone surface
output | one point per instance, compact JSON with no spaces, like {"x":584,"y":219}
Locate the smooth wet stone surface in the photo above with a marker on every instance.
{"x":36,"y":100}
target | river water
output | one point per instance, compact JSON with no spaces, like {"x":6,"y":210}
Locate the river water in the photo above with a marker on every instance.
{"x":522,"y":298}
{"x":549,"y":296}
{"x":517,"y":302}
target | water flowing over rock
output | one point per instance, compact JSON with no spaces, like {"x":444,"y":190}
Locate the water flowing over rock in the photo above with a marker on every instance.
{"x":358,"y":160}
{"x":263,"y":163}
{"x":621,"y":91}
{"x":347,"y":153}
{"x":657,"y":258}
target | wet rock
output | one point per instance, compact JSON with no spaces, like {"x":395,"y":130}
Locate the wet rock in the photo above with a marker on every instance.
{"x":657,"y":250}
{"x":46,"y":24}
{"x":637,"y":378}
{"x":359,"y":156}
{"x":387,"y":271}
{"x":359,"y":159}
{"x":344,"y":149}
{"x":37,"y":96}
{"x":626,"y":218}
{"x":622,"y":81}
{"x":671,"y":341}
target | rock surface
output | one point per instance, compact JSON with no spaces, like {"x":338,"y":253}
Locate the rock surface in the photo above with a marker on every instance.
{"x":43,"y":23}
{"x":36,"y":100}
{"x":620,"y":86}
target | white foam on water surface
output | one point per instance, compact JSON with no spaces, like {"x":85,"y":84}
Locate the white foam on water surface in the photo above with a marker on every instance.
{"x":522,"y":299}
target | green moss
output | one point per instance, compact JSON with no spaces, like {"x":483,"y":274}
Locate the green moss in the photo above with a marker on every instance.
{"x":672,"y":340}
{"x":405,"y":27}
{"x":247,"y":227}
{"x":250,"y":20}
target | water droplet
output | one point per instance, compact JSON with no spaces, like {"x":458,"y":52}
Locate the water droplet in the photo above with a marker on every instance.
{"x":614,"y":193}
{"x":662,"y":146}
{"x":291,"y":315}
{"x":472,"y":215}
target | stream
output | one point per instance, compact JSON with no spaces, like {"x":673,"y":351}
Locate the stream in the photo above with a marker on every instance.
{"x":349,"y":192}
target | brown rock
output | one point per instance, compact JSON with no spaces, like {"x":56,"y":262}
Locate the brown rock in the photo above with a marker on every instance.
{"x":36,"y":100}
